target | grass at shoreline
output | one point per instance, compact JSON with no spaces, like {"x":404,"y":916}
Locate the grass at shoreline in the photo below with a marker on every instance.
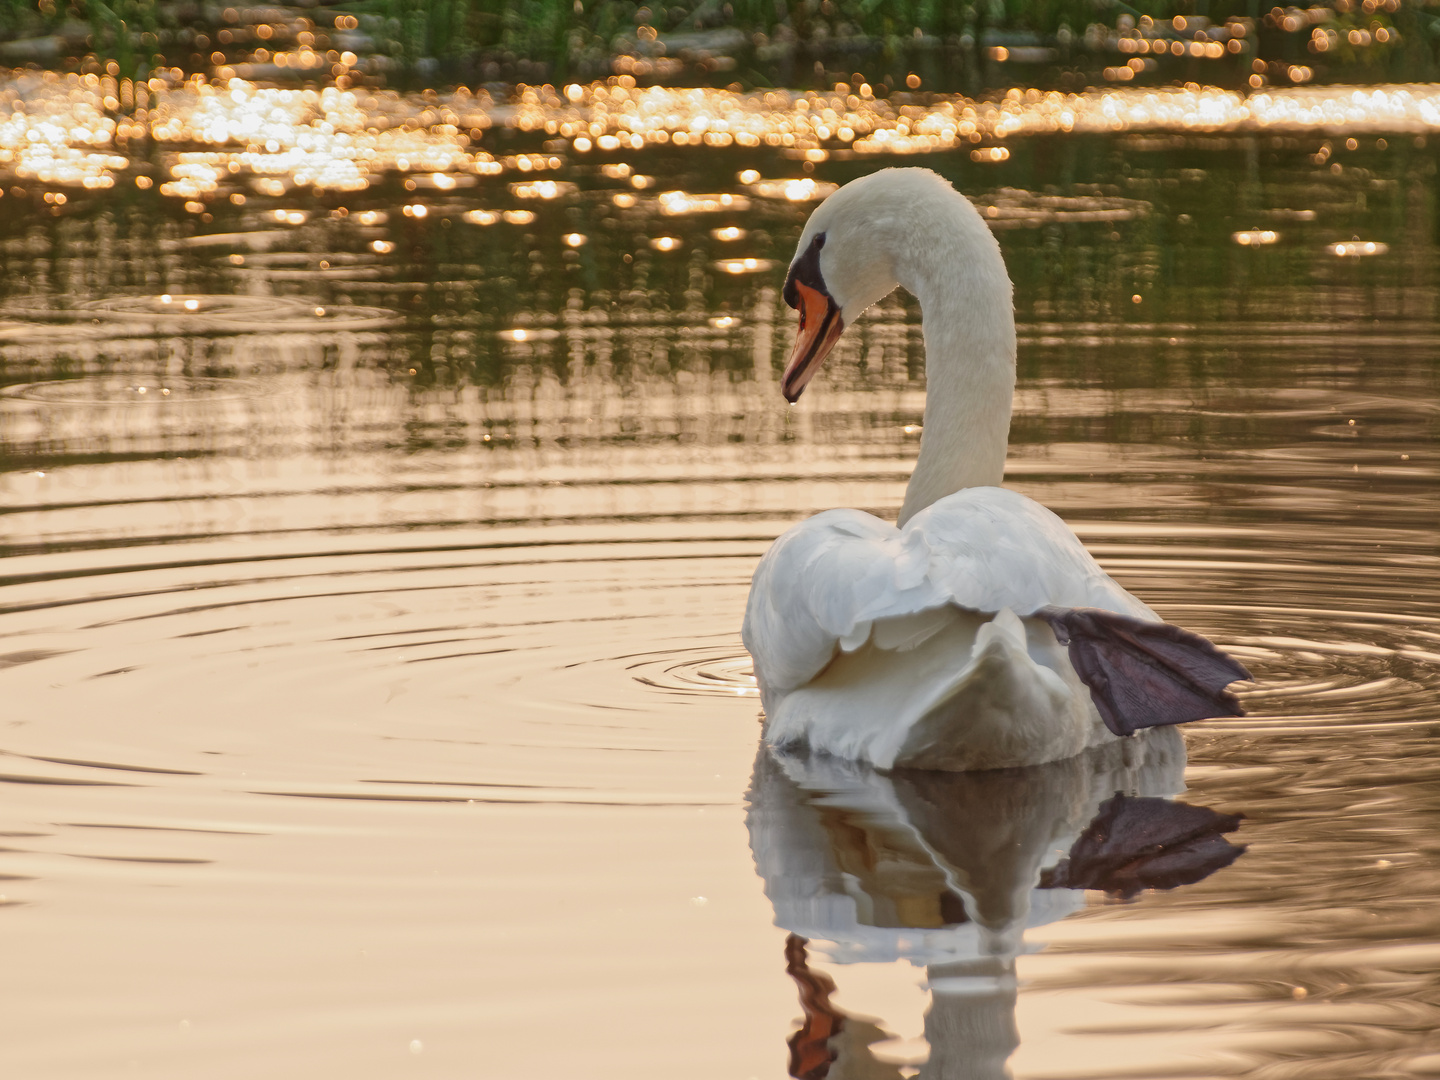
{"x":945,"y":46}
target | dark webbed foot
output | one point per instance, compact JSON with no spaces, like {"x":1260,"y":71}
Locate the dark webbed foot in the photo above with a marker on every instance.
{"x":1145,"y":674}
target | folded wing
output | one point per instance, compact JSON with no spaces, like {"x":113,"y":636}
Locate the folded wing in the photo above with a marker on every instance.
{"x":823,"y":586}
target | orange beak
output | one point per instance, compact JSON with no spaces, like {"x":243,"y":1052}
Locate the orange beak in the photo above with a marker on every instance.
{"x":820,"y":327}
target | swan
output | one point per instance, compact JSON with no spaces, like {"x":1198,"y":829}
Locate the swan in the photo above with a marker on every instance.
{"x":977,"y":632}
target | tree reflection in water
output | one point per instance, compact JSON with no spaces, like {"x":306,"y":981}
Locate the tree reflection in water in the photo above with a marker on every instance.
{"x":948,"y":870}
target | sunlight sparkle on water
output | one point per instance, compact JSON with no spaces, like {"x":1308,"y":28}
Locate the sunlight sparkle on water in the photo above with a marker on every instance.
{"x":1255,"y":237}
{"x":676,"y":203}
{"x":1357,"y":249}
{"x":804,"y":190}
{"x":744,"y":266}
{"x":542,"y":189}
{"x":58,"y":129}
{"x":528,"y":334}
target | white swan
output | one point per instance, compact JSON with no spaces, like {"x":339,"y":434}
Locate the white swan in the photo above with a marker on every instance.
{"x":979,"y":633}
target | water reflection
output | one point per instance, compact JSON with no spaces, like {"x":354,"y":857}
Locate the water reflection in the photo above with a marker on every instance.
{"x":422,"y":586}
{"x":948,"y":870}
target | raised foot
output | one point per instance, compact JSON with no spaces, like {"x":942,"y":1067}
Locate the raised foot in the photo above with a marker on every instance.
{"x":1145,"y":674}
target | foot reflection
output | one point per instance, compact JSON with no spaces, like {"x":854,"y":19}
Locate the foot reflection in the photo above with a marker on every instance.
{"x":948,"y":870}
{"x":1144,"y":843}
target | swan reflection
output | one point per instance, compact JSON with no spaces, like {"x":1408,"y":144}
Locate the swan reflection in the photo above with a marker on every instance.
{"x":948,"y":870}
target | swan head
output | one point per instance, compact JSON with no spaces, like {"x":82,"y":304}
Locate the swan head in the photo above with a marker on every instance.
{"x":849,"y":255}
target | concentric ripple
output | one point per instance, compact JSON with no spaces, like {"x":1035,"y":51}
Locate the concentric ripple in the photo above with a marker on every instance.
{"x":717,"y":670}
{"x":189,"y":314}
{"x":155,"y":391}
{"x":486,"y":648}
{"x":1380,"y":672}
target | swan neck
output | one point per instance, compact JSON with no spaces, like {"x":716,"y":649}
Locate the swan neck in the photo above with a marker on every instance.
{"x":969,"y":330}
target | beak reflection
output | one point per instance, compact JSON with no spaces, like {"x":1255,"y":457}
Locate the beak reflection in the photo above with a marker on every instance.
{"x":820,"y":327}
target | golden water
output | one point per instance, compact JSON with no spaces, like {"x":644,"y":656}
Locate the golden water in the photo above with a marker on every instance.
{"x":375,"y":557}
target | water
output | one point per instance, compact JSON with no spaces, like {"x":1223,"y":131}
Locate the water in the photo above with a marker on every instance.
{"x":369,"y":625}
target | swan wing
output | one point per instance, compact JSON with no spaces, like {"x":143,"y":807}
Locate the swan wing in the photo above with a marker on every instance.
{"x":831,"y":580}
{"x":992,"y":548}
{"x":821,"y":585}
{"x":929,"y":646}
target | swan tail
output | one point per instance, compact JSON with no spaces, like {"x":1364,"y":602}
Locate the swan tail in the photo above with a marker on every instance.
{"x":1145,"y":674}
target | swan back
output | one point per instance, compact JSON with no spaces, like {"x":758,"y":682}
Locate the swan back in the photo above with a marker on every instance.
{"x":826,"y":582}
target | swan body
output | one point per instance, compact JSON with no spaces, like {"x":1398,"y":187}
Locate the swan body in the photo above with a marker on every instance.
{"x":919,"y":646}
{"x":978,"y":633}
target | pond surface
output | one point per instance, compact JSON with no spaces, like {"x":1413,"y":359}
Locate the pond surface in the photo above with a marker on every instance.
{"x":369,"y":625}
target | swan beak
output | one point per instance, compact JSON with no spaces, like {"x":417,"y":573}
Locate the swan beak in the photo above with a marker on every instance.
{"x":820,"y":327}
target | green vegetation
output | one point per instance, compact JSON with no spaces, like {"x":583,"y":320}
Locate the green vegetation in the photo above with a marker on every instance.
{"x":950,"y":46}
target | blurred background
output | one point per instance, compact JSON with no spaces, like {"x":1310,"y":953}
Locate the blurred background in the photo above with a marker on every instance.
{"x":799,"y":44}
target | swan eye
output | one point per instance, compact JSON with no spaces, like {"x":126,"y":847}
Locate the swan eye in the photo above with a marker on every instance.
{"x":805,"y":270}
